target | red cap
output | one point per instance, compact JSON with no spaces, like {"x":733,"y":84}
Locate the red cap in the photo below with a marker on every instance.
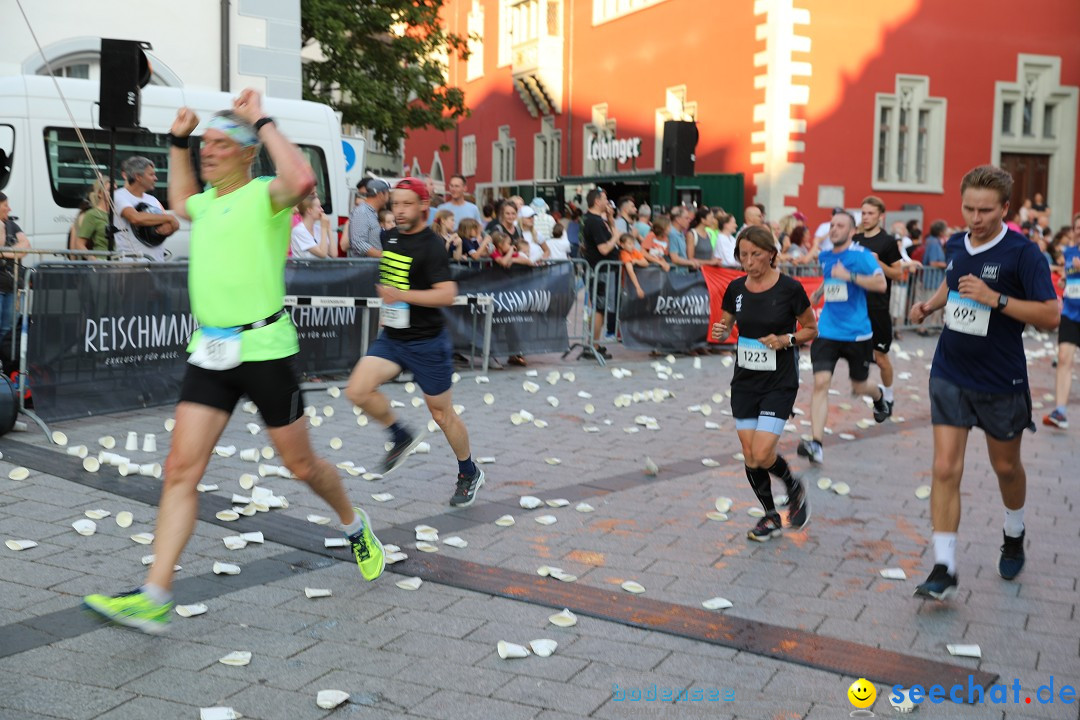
{"x":416,"y":185}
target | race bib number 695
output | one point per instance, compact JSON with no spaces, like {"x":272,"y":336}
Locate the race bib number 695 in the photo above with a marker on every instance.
{"x":966,"y":316}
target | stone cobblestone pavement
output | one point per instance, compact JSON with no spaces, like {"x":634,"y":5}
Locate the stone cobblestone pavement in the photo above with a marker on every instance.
{"x":432,"y":653}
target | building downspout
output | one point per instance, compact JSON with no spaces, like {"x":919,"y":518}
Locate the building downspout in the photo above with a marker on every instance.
{"x":226,"y":70}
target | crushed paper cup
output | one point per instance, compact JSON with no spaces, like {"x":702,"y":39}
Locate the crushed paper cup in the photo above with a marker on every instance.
{"x":190,"y":610}
{"x":318,"y":519}
{"x":234,"y":542}
{"x":170,"y":424}
{"x":563,"y":619}
{"x":330,"y":699}
{"x":236,"y":658}
{"x":584,"y":507}
{"x":218,"y":713}
{"x":382,"y":497}
{"x":412,"y":583}
{"x":505,"y":521}
{"x":335,"y":542}
{"x":18,"y":545}
{"x":716,"y":603}
{"x":85,"y":527}
{"x":508,"y":651}
{"x":455,"y":541}
{"x":317,"y":592}
{"x":143,"y":538}
{"x":427,"y":547}
{"x":227,"y":515}
{"x":253,"y":537}
{"x":965,"y":650}
{"x":922,"y":492}
{"x":204,"y":488}
{"x":225,"y":450}
{"x":97,"y":514}
{"x":124,"y":519}
{"x":723,"y":504}
{"x":631,"y":586}
{"x":221,"y":568}
{"x":544,"y":647}
{"x":755,"y":512}
{"x":893,"y":574}
{"x":530,"y":502}
{"x":19,"y":473}
{"x":547,"y":519}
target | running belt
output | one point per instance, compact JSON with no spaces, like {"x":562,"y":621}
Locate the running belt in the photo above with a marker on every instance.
{"x":262,"y":323}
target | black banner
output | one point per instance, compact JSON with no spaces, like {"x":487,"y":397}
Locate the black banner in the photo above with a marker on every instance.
{"x":330,"y":336}
{"x":673,"y":315}
{"x":531,"y":305}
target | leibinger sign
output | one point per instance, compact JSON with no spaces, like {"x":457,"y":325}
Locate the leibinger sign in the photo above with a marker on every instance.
{"x":602,"y":148}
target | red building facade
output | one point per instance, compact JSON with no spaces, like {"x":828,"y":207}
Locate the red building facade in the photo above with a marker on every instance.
{"x":816,"y":102}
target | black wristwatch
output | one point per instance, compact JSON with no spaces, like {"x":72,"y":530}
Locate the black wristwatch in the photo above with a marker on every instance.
{"x":791,"y":339}
{"x":262,"y":121}
{"x":1003,"y":300}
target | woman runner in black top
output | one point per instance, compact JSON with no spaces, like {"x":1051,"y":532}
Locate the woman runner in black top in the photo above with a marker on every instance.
{"x":766,"y":305}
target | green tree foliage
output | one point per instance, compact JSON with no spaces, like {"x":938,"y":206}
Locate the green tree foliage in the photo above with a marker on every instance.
{"x":383,"y":64}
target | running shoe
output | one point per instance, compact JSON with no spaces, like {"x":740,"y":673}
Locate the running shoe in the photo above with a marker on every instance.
{"x":939,"y":586}
{"x":882,"y":407}
{"x":798,"y":506}
{"x":812,"y":450}
{"x":1012,"y":556}
{"x":1056,"y":419}
{"x":367,"y":549}
{"x":767,"y":528}
{"x":397,"y":454}
{"x":134,"y":609}
{"x":467,"y":485}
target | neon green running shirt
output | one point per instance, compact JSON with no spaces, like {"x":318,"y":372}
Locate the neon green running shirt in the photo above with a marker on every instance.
{"x":236,"y":274}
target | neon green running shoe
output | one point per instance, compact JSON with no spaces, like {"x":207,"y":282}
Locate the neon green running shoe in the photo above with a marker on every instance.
{"x":134,"y":609}
{"x":367,"y":549}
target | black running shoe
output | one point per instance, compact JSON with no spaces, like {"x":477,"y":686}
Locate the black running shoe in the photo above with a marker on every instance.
{"x":939,"y":586}
{"x":882,"y":407}
{"x":767,"y":528}
{"x":467,"y":485}
{"x":1012,"y":556}
{"x":397,"y":454}
{"x":798,"y":506}
{"x":812,"y":450}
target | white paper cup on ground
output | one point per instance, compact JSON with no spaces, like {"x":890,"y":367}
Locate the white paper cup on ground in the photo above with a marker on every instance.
{"x":508,"y":650}
{"x":80,"y":451}
{"x":59,"y":438}
{"x":91,"y":464}
{"x":149,"y":443}
{"x":250,"y":454}
{"x":107,"y":441}
{"x":150,"y":470}
{"x":132,"y":443}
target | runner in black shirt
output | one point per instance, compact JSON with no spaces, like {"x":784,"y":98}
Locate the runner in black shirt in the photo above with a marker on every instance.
{"x":414,"y":283}
{"x":766,"y":306}
{"x":887,"y":249}
{"x":597,"y":245}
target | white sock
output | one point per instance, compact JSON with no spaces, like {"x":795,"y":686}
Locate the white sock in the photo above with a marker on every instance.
{"x":157,"y":594}
{"x":355,"y":526}
{"x":886,"y":393}
{"x":945,"y":551}
{"x":1014,"y":522}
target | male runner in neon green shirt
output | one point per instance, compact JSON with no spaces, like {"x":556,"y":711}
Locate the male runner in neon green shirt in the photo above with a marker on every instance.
{"x":246,"y":341}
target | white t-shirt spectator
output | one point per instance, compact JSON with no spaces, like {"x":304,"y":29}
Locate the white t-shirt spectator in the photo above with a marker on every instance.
{"x":559,"y":248}
{"x":725,"y":250}
{"x":125,"y":240}
{"x":544,"y":223}
{"x":302,"y":242}
{"x":536,"y":253}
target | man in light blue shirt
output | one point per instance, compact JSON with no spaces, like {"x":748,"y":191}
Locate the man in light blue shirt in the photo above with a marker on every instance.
{"x":457,"y":203}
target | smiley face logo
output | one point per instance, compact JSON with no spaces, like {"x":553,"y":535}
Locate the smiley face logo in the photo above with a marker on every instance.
{"x":862,"y":693}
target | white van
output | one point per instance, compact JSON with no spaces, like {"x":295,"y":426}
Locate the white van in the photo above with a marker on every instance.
{"x":45,"y":173}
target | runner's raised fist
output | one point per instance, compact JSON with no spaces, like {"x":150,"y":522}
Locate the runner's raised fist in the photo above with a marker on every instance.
{"x":248,"y":105}
{"x":185,"y":122}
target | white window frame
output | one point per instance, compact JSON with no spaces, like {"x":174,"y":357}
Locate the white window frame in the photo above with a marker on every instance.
{"x":900,"y":144}
{"x":547,"y":150}
{"x":506,"y":34}
{"x":608,"y":10}
{"x":474,"y":66}
{"x":504,"y":158}
{"x":468,"y":156}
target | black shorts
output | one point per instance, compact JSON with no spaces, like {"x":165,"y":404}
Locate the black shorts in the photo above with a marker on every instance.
{"x":1003,"y":416}
{"x":273,"y":385}
{"x":430,"y":360}
{"x":750,"y":403}
{"x":606,"y":281}
{"x":881,"y":322}
{"x":1068,"y":331}
{"x":859,"y":354}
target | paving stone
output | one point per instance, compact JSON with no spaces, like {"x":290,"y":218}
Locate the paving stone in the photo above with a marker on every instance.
{"x":460,"y":706}
{"x":184,"y":686}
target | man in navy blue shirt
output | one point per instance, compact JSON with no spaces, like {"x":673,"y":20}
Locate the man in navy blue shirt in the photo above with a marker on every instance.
{"x":996,"y":281}
{"x":844,"y":329}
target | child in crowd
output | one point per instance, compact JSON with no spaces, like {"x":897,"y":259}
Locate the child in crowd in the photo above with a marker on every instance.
{"x":504,"y":253}
{"x":630,"y":256}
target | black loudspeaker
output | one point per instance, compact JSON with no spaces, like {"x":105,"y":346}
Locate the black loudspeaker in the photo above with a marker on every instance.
{"x":125,"y":70}
{"x":680,"y":143}
{"x":9,"y":405}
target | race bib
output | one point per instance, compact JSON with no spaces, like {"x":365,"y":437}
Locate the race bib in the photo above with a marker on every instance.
{"x":217,"y":349}
{"x":395,"y":315}
{"x":966,"y":316}
{"x":1072,"y":288}
{"x":835,"y":290}
{"x":753,"y":355}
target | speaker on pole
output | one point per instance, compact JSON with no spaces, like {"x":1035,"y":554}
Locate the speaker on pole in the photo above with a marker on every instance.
{"x":125,"y":70}
{"x":680,"y":144}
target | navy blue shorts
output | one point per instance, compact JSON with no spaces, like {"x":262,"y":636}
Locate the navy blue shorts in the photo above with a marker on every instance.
{"x":430,"y":361}
{"x":1003,"y":416}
